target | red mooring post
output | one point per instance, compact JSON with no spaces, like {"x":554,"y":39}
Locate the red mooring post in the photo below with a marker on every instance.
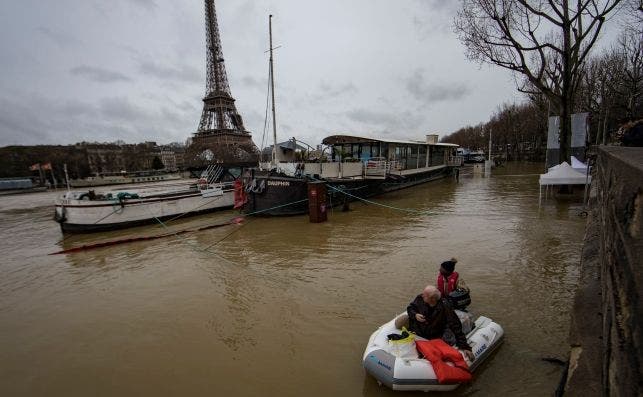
{"x":317,"y":202}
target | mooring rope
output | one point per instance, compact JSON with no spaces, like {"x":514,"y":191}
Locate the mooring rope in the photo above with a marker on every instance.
{"x":193,"y":209}
{"x":409,"y":210}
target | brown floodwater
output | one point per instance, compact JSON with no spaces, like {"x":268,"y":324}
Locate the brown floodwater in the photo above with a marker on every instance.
{"x":280,"y":306}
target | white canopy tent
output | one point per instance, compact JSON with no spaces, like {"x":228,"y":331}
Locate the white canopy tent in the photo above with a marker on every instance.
{"x":579,"y":165}
{"x":563,"y":174}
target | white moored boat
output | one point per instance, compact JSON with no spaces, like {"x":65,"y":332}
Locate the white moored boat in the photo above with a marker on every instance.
{"x":409,"y":371}
{"x":89,"y":211}
{"x":120,"y":178}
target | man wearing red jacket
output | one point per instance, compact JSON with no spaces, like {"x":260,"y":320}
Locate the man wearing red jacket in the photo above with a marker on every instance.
{"x":430,"y":316}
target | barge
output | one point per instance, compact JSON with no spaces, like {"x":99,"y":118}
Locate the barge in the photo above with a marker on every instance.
{"x":357,"y":168}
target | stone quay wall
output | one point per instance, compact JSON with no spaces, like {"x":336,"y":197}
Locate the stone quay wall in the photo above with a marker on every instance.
{"x":606,"y":357}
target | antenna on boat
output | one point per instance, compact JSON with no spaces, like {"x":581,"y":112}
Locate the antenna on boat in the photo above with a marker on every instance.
{"x":487,"y":164}
{"x":272,"y":90}
{"x":66,"y":176}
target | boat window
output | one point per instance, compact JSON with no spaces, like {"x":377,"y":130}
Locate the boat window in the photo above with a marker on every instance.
{"x":355,"y":150}
{"x":411,"y":157}
{"x":437,"y":156}
{"x":236,"y":172}
{"x":367,"y":151}
{"x":398,"y":153}
{"x":347,"y":150}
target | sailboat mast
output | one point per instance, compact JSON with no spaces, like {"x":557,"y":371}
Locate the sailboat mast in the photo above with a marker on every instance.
{"x":272,"y":90}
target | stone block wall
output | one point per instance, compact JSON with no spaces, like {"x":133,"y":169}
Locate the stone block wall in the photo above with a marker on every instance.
{"x":606,"y":332}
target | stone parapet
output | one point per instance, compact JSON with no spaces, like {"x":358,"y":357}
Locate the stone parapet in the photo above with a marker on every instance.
{"x":606,"y":341}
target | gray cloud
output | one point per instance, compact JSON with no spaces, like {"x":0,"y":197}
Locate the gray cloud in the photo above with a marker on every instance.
{"x":329,"y":92}
{"x":429,"y":93}
{"x":435,"y":16}
{"x":384,"y":123}
{"x":252,"y":82}
{"x":333,"y":91}
{"x":66,"y":122}
{"x":99,"y":75}
{"x":146,"y":77}
{"x":182,"y":73}
{"x":147,"y":4}
{"x":58,"y":37}
{"x":16,"y":126}
{"x":370,"y":117}
{"x":120,"y":109}
{"x":105,"y":8}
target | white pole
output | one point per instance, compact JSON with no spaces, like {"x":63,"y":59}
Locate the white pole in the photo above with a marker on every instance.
{"x":53,"y":178}
{"x":490,"y":145}
{"x":272,"y":85}
{"x":487,"y":166}
{"x":66,"y":176}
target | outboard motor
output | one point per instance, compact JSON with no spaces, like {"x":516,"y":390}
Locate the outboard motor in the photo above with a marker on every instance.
{"x":460,"y":298}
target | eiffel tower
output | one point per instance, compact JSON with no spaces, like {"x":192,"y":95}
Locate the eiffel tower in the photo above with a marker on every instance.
{"x":221,"y":130}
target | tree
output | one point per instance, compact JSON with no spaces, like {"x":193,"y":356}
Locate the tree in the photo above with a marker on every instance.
{"x":629,"y":72}
{"x":157,"y":164}
{"x":545,"y":42}
{"x":612,"y":84}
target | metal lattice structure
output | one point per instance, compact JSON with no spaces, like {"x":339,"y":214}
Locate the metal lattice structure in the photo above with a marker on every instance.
{"x":221,"y":127}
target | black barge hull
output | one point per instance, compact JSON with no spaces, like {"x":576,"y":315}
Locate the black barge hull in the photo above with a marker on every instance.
{"x":270,"y":194}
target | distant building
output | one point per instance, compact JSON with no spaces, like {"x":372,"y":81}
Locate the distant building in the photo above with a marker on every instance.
{"x":179,"y":158}
{"x":168,"y":157}
{"x":89,"y":158}
{"x":286,"y":151}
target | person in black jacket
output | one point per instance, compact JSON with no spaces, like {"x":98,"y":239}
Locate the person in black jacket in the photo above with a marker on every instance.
{"x":430,"y":316}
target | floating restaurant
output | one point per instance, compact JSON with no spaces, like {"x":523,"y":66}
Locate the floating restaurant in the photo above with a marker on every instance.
{"x":355,"y":168}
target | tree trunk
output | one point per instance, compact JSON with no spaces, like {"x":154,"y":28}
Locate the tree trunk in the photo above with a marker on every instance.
{"x":566,"y":105}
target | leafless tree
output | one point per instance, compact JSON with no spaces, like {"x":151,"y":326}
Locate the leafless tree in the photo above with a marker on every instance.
{"x":611,"y":85}
{"x":546,"y":42}
{"x":630,"y":71}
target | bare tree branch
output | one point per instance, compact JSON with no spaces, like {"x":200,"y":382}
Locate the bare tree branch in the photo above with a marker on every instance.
{"x":546,"y":41}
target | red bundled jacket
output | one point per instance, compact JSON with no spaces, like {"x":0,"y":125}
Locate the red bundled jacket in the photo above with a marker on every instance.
{"x":438,"y":352}
{"x":446,"y":285}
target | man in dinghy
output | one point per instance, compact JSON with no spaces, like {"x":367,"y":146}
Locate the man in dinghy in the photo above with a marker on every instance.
{"x":430,"y":317}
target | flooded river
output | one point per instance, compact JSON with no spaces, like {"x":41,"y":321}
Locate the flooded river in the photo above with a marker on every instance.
{"x":281,"y":306}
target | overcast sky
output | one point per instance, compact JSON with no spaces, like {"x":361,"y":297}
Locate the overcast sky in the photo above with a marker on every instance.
{"x":134,"y":70}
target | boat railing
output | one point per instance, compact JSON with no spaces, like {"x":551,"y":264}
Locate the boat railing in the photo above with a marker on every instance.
{"x":335,"y":169}
{"x":455,"y":161}
{"x":375,"y":168}
{"x":394,"y":165}
{"x":212,"y":173}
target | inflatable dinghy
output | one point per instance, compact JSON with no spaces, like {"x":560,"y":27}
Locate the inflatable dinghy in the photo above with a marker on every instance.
{"x":407,"y":371}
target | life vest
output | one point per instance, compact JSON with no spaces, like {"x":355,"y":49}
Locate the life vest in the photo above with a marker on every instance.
{"x":240,"y":196}
{"x":442,"y":357}
{"x":447,"y":285}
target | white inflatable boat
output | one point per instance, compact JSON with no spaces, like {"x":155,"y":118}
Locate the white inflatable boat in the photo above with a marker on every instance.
{"x":410,"y":372}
